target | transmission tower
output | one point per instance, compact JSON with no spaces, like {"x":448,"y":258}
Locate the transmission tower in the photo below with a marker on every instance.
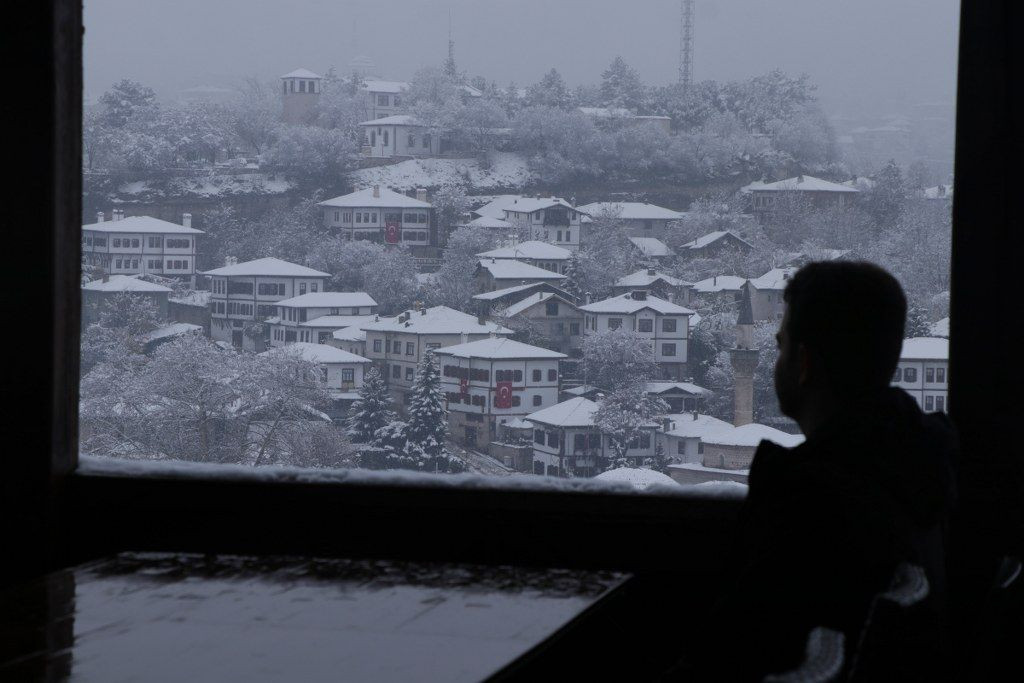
{"x":686,"y":43}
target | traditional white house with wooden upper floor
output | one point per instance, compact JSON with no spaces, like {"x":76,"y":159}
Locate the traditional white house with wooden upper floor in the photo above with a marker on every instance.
{"x":536,"y":253}
{"x":494,"y":274}
{"x":566,"y":442}
{"x":141,"y":245}
{"x":399,"y":135}
{"x":548,"y":219}
{"x":720,"y":288}
{"x":378,"y":214}
{"x":550,"y":316}
{"x":96,"y":293}
{"x":682,"y":433}
{"x":714,"y":243}
{"x":351,"y":338}
{"x":492,"y":381}
{"x":923,"y":372}
{"x":766,"y":292}
{"x":656,"y":283}
{"x":245,"y":293}
{"x":396,"y":345}
{"x":765,"y":197}
{"x":664,"y":323}
{"x":639,"y":219}
{"x":680,"y":396}
{"x":314,"y":316}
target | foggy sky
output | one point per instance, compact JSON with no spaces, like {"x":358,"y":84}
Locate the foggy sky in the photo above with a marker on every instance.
{"x":868,"y":57}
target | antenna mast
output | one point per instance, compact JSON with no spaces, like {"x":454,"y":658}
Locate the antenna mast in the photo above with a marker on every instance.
{"x":686,"y":43}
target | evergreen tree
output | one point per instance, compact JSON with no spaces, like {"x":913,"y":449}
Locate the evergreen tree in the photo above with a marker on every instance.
{"x":428,"y":425}
{"x":917,"y":322}
{"x":371,"y":411}
{"x":550,"y":92}
{"x":621,"y":86}
{"x":573,"y":282}
{"x":885,"y":202}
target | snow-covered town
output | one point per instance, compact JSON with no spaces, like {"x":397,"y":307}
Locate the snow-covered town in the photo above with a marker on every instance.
{"x":338,"y":268}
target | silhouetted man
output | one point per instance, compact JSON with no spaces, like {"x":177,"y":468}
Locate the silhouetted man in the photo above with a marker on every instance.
{"x":826,"y":523}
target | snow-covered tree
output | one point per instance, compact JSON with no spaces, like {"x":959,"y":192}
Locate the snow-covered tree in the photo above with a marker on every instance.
{"x":574,"y":281}
{"x":455,"y":284}
{"x":254,"y":116}
{"x":551,"y":91}
{"x":428,"y":423}
{"x":311,"y":153}
{"x":623,"y":416}
{"x":372,"y":410}
{"x":886,"y":199}
{"x":125,"y":102}
{"x":618,"y":358}
{"x":119,"y":323}
{"x":621,"y":86}
{"x":391,"y":280}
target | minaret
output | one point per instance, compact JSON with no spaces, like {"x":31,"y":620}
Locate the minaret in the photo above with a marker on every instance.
{"x":744,"y":362}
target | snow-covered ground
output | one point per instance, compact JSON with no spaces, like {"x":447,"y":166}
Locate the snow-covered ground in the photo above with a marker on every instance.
{"x":214,"y":185}
{"x":507,"y":170}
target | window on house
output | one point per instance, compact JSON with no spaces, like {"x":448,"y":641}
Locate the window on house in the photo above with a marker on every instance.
{"x":940,"y":375}
{"x":574,"y":329}
{"x":552,"y":375}
{"x":553,"y":439}
{"x":537,"y":375}
{"x":940,"y":403}
{"x":538,"y":436}
{"x":645,"y":325}
{"x":668,"y":349}
{"x":668,"y":324}
{"x":537,"y":400}
{"x":898,"y":377}
{"x":614,"y":323}
{"x":929,"y":403}
{"x":409,"y":374}
{"x":396,"y":371}
{"x":929,"y":374}
{"x":551,"y":308}
{"x":910,"y":374}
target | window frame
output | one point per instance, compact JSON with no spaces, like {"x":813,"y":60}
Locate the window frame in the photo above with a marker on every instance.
{"x":63,"y":516}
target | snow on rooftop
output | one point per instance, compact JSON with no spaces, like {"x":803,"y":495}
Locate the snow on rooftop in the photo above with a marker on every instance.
{"x":511,"y":269}
{"x":328,"y":300}
{"x":712,"y":237}
{"x":694,"y":425}
{"x":645,"y":278}
{"x":352,"y":333}
{"x":581,"y":389}
{"x":141,"y":224}
{"x":435,"y":320}
{"x":394,"y":120}
{"x":720,"y":283}
{"x":501,"y":293}
{"x":269,"y":266}
{"x":499,"y":348}
{"x":337,"y":322}
{"x":172,"y":330}
{"x":124,"y":283}
{"x":301,"y":73}
{"x":532,"y":300}
{"x":377,"y":85}
{"x":318,"y":353}
{"x":532,"y":249}
{"x":939,"y":192}
{"x":381,"y":197}
{"x":631,"y":211}
{"x":625,"y":303}
{"x":803,"y":183}
{"x":660,"y":387}
{"x":639,"y":478}
{"x":776,"y":278}
{"x":939,"y":328}
{"x":496,"y":207}
{"x":751,"y":435}
{"x":489,"y":222}
{"x":651,"y":246}
{"x":576,"y":412}
{"x":531,"y":204}
{"x":925,"y":348}
{"x":607,"y":112}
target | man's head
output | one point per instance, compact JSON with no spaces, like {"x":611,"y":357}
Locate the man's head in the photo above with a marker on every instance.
{"x":841,"y":335}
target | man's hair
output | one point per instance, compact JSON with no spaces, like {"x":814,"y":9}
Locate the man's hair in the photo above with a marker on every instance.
{"x":852,"y":315}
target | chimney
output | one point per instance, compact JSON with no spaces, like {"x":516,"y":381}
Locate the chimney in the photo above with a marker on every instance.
{"x":714,"y":280}
{"x":464,"y":337}
{"x":106,"y":276}
{"x":652,"y":272}
{"x":376,"y":191}
{"x":640,"y":295}
{"x":480,"y":319}
{"x":800,"y":178}
{"x":186,"y":220}
{"x":423,"y":311}
{"x":421,"y":194}
{"x":666,"y":424}
{"x":99,"y":216}
{"x":694,"y":415}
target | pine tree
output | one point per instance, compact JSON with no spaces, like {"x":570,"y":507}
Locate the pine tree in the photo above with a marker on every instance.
{"x":621,"y":85}
{"x":372,"y":410}
{"x":573,"y":283}
{"x":428,"y":425}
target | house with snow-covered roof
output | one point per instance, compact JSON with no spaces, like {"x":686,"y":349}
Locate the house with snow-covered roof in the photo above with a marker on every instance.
{"x":567,"y":442}
{"x":314,"y":316}
{"x":96,"y":293}
{"x":680,"y":396}
{"x":656,"y":283}
{"x":682,"y":433}
{"x":491,"y":381}
{"x":639,"y":219}
{"x":725,"y":452}
{"x":666,"y":325}
{"x":141,"y":245}
{"x":498,"y":225}
{"x":766,"y":293}
{"x":341,"y":372}
{"x":923,"y":372}
{"x":714,"y":243}
{"x":493,"y":274}
{"x":720,"y":288}
{"x":765,"y":197}
{"x":549,"y":316}
{"x":536,"y":253}
{"x":396,"y":345}
{"x":399,"y":135}
{"x":652,"y":250}
{"x":549,"y":219}
{"x":378,"y":214}
{"x":245,"y":293}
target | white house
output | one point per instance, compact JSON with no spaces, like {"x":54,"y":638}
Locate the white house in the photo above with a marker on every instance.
{"x":491,"y":381}
{"x":714,"y":243}
{"x":549,"y":219}
{"x":765,"y":197}
{"x":567,"y":442}
{"x":383,"y":98}
{"x":249,"y":292}
{"x":664,"y":323}
{"x":728,"y":452}
{"x":494,"y":274}
{"x":139,"y":245}
{"x":652,"y":250}
{"x":314,"y":316}
{"x":639,"y":219}
{"x":680,"y":396}
{"x":397,"y":344}
{"x":399,"y":135}
{"x":97,"y":292}
{"x":378,"y":214}
{"x":536,"y":253}
{"x":723,"y":288}
{"x":657,"y":283}
{"x":341,"y":371}
{"x":681,"y":436}
{"x":766,"y":292}
{"x":552,"y":316}
{"x":923,"y":372}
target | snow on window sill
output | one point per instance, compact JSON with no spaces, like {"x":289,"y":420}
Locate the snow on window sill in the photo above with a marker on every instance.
{"x":90,"y":465}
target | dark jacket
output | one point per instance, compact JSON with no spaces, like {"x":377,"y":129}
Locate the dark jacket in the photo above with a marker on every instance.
{"x":823,"y":528}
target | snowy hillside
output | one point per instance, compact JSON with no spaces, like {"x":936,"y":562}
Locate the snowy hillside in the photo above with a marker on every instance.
{"x":507,"y":170}
{"x":204,"y":186}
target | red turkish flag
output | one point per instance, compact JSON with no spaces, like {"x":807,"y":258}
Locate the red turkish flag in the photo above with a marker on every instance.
{"x":391,"y":233}
{"x":463,"y":386}
{"x":503,"y":399}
